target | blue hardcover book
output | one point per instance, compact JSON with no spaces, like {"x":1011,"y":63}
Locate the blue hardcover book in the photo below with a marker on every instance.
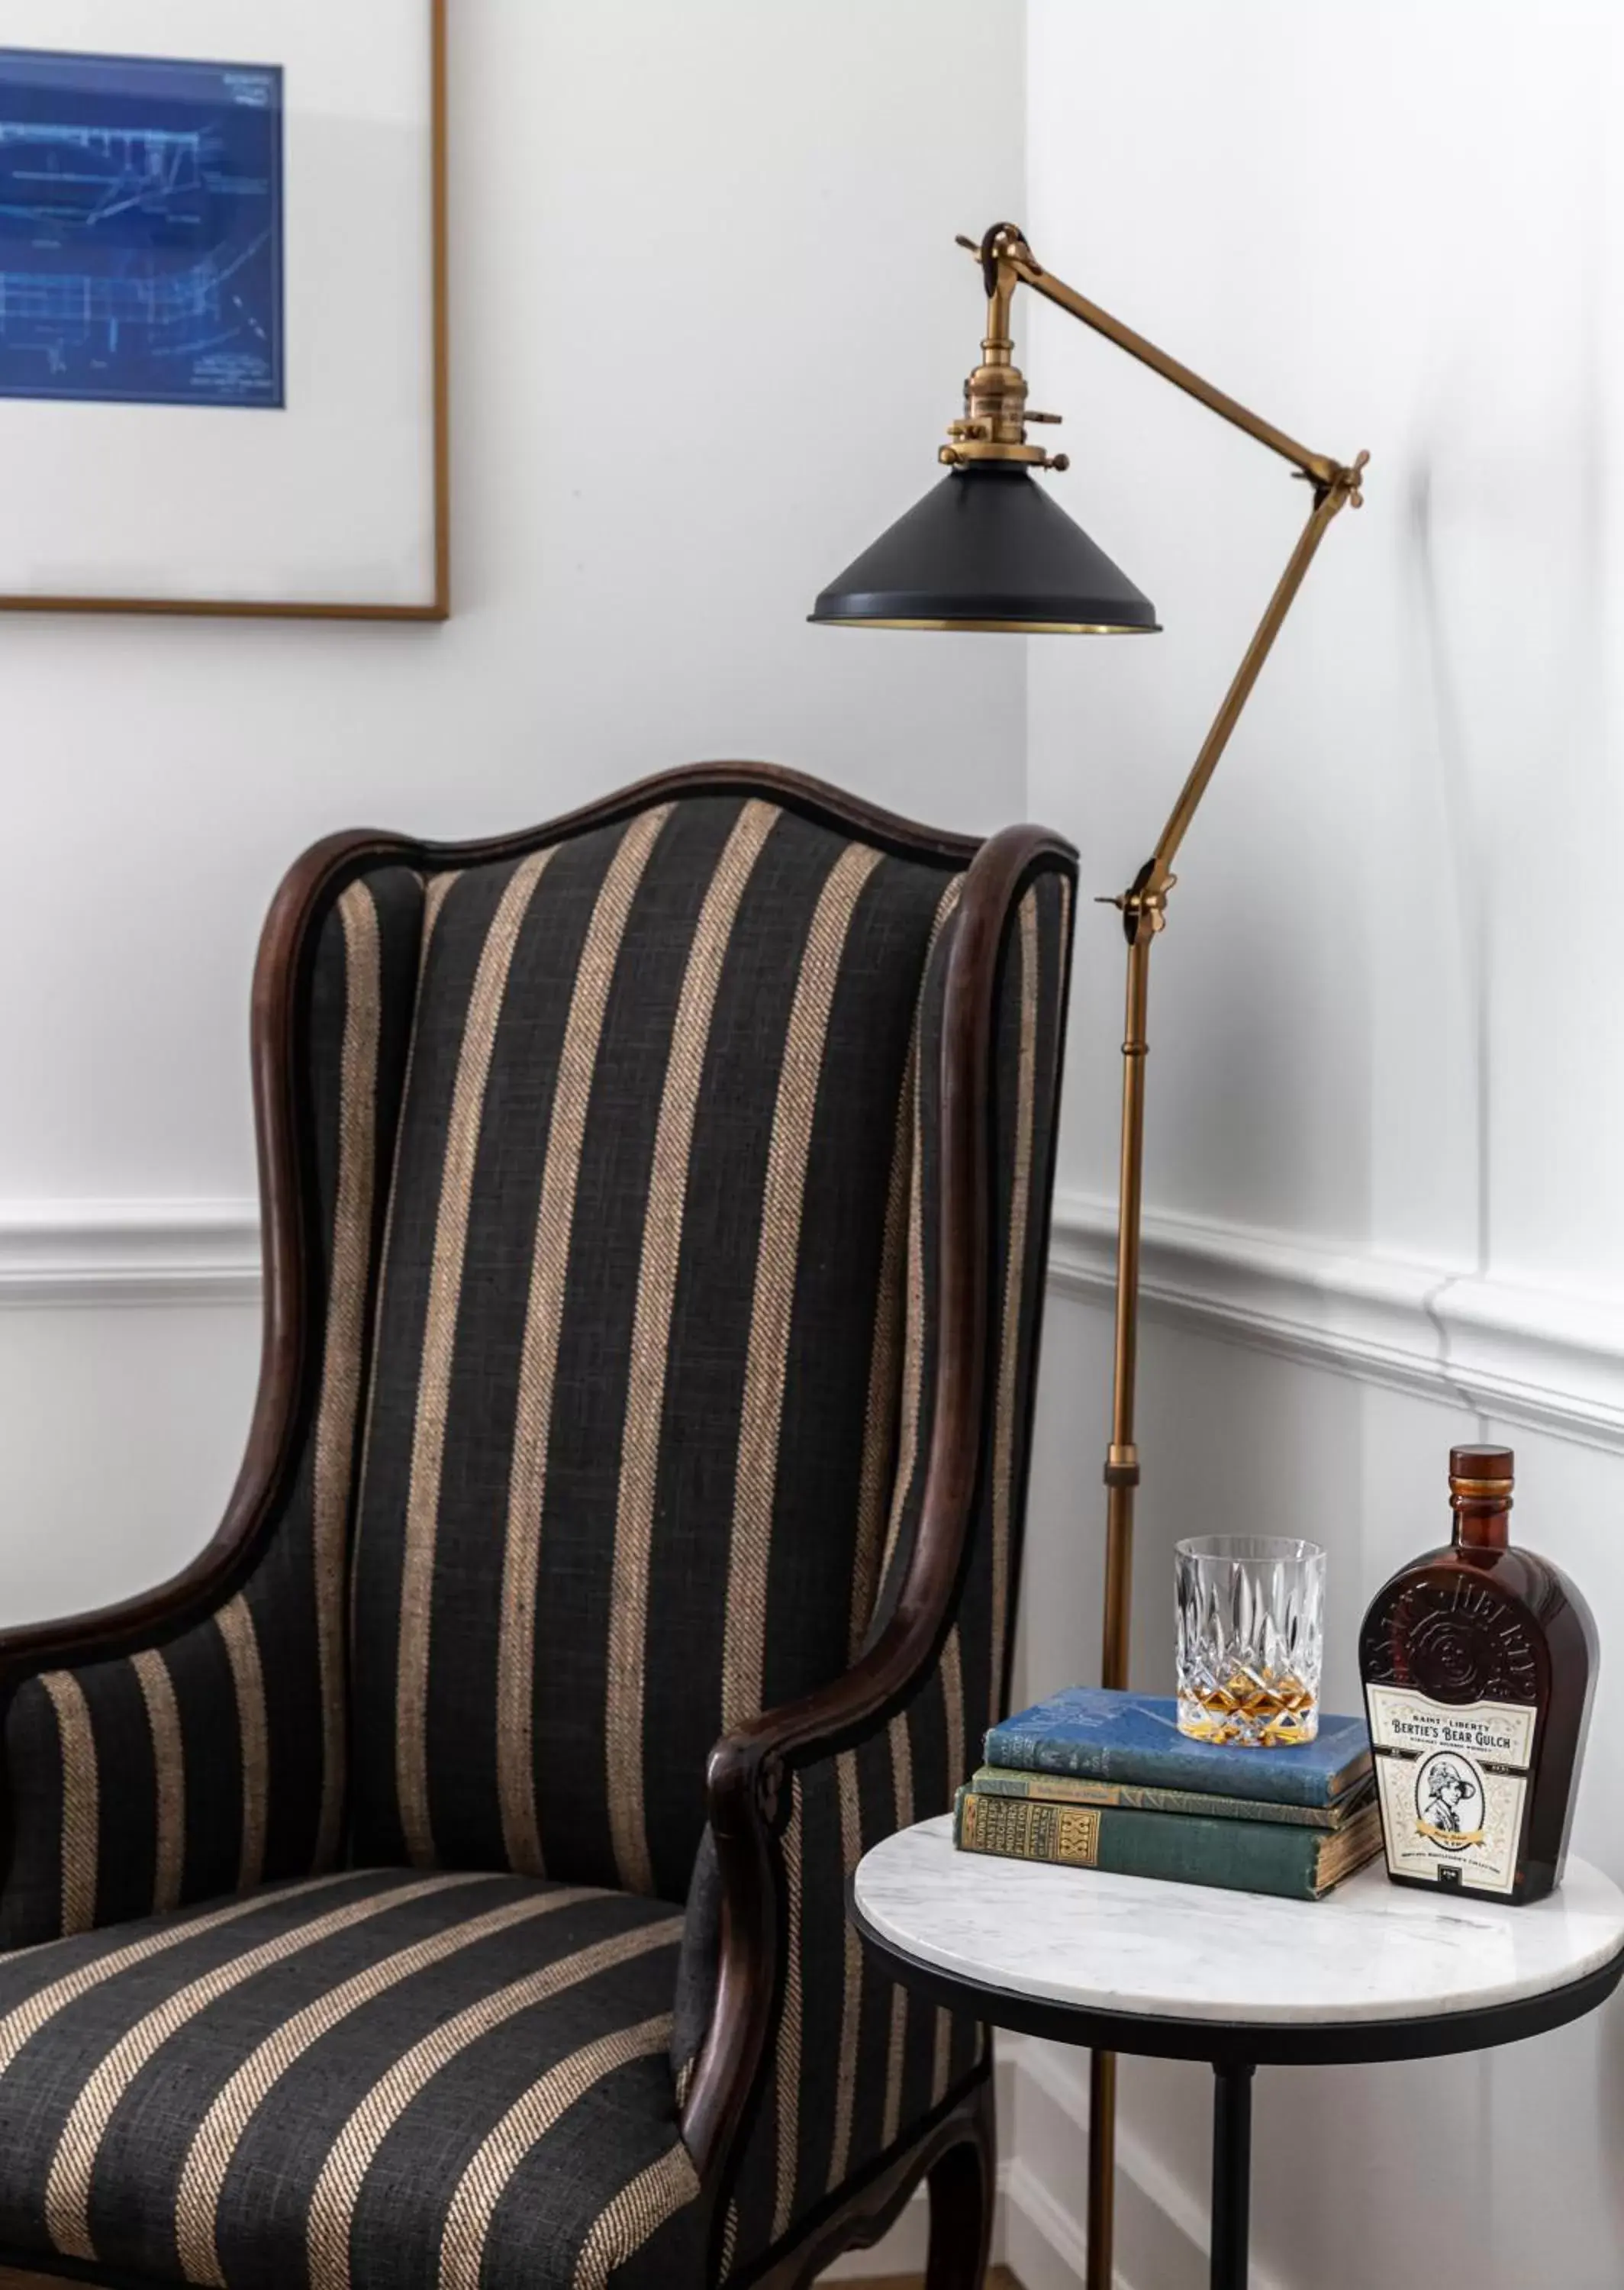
{"x":1135,"y":1737}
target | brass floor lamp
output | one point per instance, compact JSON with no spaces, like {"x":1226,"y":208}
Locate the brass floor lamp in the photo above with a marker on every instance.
{"x":986,"y":549}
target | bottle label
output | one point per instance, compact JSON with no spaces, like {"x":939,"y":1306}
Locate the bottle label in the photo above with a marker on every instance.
{"x":1452,"y":1783}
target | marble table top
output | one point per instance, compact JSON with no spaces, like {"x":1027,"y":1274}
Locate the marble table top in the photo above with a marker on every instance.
{"x":1370,"y":1950}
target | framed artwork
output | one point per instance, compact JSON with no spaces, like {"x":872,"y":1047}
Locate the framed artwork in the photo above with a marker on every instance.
{"x":222,"y":308}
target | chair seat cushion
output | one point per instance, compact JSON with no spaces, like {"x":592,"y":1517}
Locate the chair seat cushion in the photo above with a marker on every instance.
{"x":373,"y":2081}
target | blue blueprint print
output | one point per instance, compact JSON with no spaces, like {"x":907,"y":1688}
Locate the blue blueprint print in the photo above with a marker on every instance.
{"x":140,"y":229}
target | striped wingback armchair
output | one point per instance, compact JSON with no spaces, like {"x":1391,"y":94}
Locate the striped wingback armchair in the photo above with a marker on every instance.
{"x":441,"y":1882}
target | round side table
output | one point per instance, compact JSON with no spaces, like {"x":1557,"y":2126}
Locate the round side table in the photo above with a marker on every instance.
{"x":1123,"y":1964}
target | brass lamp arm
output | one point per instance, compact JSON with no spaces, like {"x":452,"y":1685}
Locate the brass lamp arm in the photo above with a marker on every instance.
{"x":1144,"y":903}
{"x":1007,"y":261}
{"x":1319,"y":468}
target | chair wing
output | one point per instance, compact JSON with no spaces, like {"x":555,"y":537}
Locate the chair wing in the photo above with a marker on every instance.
{"x":192,"y":1743}
{"x":854,"y":2071}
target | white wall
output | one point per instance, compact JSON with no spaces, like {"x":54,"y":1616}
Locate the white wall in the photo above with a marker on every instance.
{"x":1399,"y":228}
{"x":1386,"y":1097}
{"x":674,"y":232}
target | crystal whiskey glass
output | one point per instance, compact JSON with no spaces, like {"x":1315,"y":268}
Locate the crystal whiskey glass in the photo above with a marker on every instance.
{"x":1252,"y":1631}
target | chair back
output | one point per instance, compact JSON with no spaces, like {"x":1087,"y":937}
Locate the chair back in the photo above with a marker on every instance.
{"x":630,"y":1455}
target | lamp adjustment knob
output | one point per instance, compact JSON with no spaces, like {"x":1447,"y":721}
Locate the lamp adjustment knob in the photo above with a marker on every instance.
{"x":1344,"y":482}
{"x":1056,"y":418}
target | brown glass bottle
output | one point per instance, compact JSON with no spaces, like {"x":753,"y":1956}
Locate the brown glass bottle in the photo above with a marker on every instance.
{"x":1479,"y":1664}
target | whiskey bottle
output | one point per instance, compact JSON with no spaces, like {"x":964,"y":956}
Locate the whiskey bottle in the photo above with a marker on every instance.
{"x":1479,"y":1662}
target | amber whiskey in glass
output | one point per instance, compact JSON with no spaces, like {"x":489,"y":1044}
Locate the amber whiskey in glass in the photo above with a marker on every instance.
{"x":1479,"y":1664}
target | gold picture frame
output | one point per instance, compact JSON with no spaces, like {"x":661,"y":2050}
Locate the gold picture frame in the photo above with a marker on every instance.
{"x":436,"y":606}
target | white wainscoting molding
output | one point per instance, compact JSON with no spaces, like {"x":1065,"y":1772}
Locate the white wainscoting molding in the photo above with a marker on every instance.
{"x":136,"y":1251}
{"x":1546,"y":1357}
{"x":1553,"y":1358}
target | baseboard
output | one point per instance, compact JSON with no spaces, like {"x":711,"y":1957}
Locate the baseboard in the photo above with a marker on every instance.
{"x":1162,"y":2224}
{"x":1040,"y":2242}
{"x":1040,"y":2231}
{"x":1546,"y":1357}
{"x":905,"y":2249}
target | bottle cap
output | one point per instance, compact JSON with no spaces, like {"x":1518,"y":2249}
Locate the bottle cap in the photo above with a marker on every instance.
{"x":1481,"y":1475}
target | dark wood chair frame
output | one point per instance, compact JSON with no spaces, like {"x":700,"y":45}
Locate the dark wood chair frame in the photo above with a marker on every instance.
{"x":747,"y":1771}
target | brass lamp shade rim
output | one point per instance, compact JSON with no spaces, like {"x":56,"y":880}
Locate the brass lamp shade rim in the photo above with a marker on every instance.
{"x":965,"y":625}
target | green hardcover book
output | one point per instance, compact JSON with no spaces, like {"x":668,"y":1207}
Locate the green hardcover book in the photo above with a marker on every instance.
{"x":1139,"y":1796}
{"x":1240,"y":1856}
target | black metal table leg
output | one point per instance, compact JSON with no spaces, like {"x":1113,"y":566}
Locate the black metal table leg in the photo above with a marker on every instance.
{"x":1231,"y":2175}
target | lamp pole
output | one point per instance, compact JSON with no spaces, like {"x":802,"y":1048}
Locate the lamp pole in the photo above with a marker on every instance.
{"x":986,"y":549}
{"x":1144,"y":914}
{"x":1007,"y":261}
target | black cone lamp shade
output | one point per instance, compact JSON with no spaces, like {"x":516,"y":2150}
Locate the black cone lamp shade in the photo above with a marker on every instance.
{"x":985,"y":549}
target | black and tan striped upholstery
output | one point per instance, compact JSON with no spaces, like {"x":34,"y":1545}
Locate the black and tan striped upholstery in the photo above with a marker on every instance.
{"x":626,"y":1409}
{"x":460,"y":2080}
{"x":622,"y":1163}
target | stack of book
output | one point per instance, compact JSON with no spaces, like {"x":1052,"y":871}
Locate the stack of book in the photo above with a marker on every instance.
{"x":1097,"y":1780}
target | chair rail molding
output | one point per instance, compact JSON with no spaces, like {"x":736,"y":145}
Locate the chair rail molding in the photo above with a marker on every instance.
{"x":1549,"y":1357}
{"x":149,"y":1250}
{"x":1546,"y":1357}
